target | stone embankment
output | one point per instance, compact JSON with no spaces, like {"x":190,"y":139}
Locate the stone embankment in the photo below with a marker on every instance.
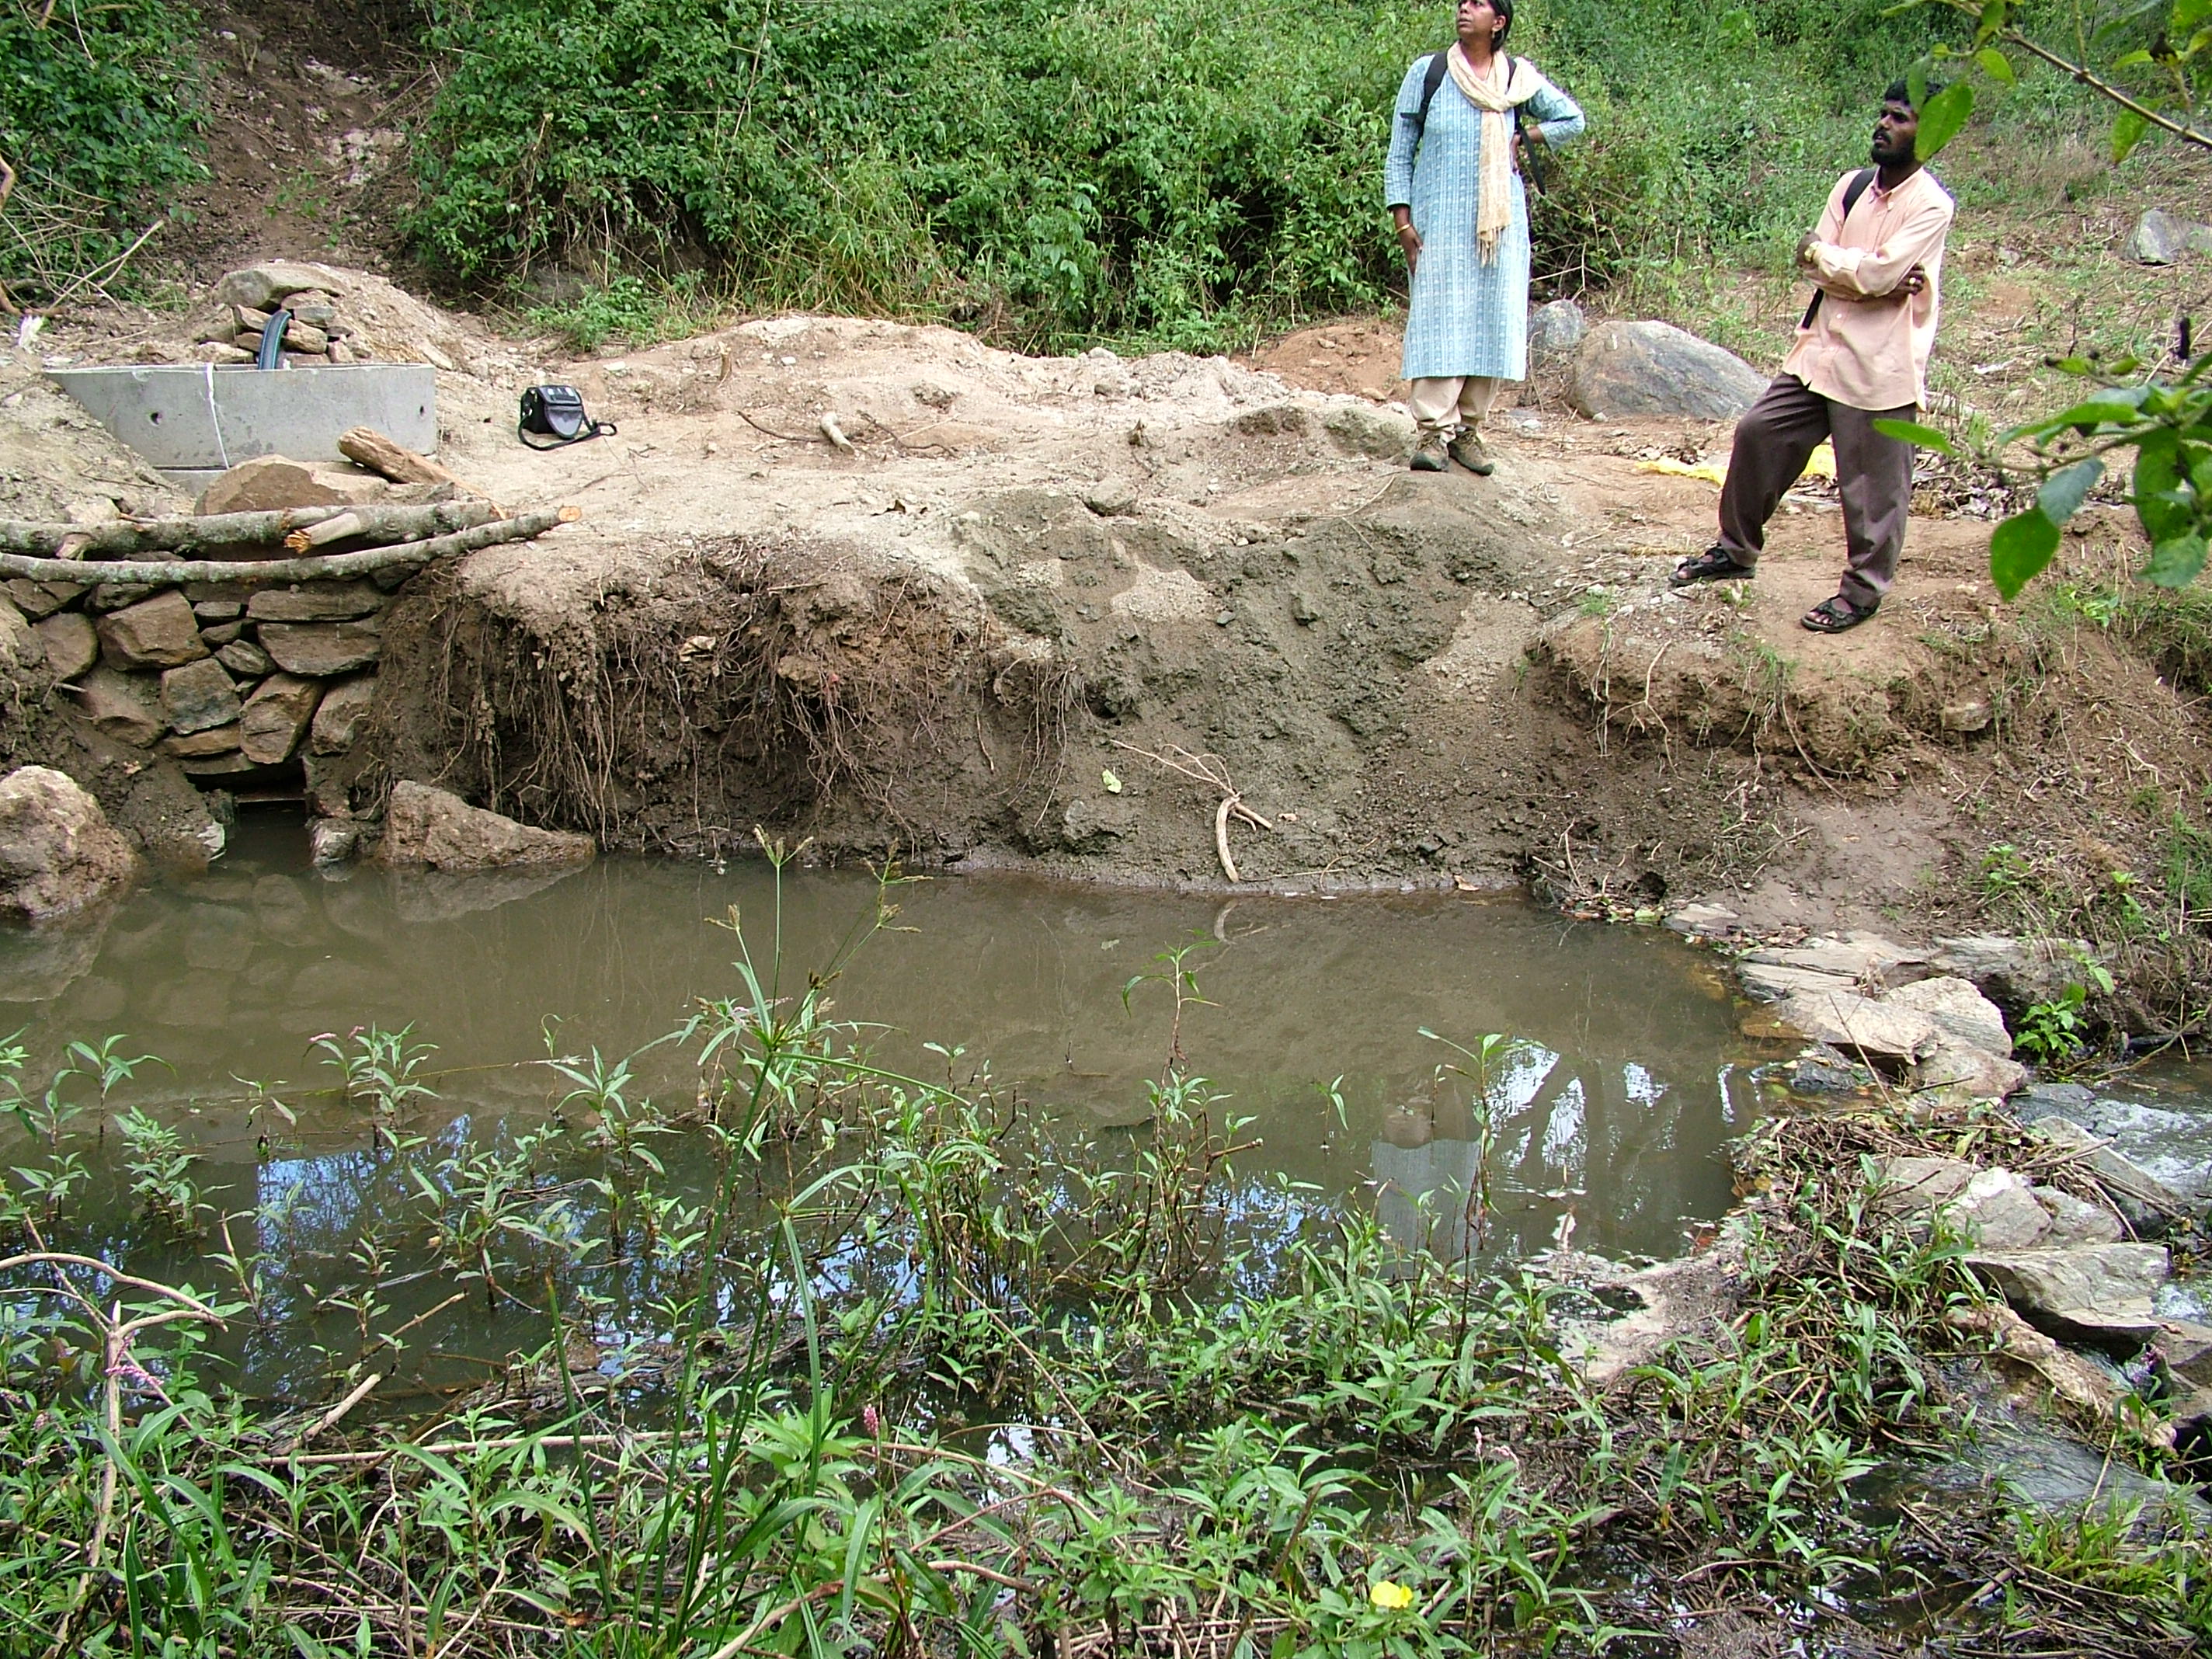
{"x":2065,"y":1229}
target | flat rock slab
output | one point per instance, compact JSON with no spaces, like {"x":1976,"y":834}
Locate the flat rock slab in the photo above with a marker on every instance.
{"x":2085,"y":1293}
{"x":2148,"y":1203}
{"x":1853,"y":1025}
{"x":1868,"y":958}
{"x":1968,"y":1019}
{"x":1769,"y":981}
{"x":1655,"y":368}
{"x":315,"y":602}
{"x":428,"y":826}
{"x":322,"y":650}
{"x":2015,"y":972}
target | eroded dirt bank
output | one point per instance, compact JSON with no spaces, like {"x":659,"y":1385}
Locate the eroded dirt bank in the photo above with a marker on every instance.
{"x":1053,"y":611}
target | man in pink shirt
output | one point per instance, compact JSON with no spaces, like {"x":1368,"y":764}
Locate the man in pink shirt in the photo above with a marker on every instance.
{"x":1861,"y":356}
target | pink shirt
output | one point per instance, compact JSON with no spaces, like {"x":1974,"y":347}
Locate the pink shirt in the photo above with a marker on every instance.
{"x":1869,"y":345}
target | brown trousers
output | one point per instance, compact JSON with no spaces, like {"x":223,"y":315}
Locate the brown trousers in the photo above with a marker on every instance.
{"x":1775,"y":439}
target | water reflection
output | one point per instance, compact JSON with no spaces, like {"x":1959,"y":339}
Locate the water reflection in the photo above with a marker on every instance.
{"x":1611,"y":1107}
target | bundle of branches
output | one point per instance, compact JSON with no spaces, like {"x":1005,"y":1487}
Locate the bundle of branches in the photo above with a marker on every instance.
{"x":362,"y":541}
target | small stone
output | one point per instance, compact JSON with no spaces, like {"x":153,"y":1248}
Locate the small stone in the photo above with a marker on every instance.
{"x":19,"y":644}
{"x":222,"y":633}
{"x":157,"y":632}
{"x":2076,"y":1221}
{"x":1971,"y":715}
{"x":217,"y":740}
{"x":244,"y":657}
{"x":276,"y":715}
{"x":59,"y":853}
{"x":125,"y":706}
{"x":428,"y":826}
{"x":1304,"y":610}
{"x":1111,"y":499}
{"x":322,"y":650}
{"x":37,"y":600}
{"x":198,"y":696}
{"x":114,"y":596}
{"x":337,"y":722}
{"x":333,"y":841}
{"x":2162,"y":239}
{"x":71,"y":645}
{"x":210,"y":610}
{"x":1554,"y":331}
{"x":308,"y":602}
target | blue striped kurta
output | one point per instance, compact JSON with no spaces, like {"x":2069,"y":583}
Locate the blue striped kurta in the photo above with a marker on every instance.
{"x":1465,"y":317}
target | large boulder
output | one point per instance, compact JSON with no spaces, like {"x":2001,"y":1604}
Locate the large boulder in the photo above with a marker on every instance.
{"x":59,"y":853}
{"x":1654,"y":369}
{"x":344,"y":706}
{"x":258,"y":288}
{"x":426,"y":826}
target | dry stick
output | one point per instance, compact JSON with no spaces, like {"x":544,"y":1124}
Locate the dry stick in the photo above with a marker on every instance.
{"x":330,"y":1418}
{"x":127,"y":536}
{"x":318,"y":567}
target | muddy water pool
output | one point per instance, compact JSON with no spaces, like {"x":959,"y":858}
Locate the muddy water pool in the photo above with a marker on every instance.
{"x":1628,"y":1075}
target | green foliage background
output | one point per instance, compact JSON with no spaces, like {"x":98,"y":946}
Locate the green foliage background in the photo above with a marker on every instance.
{"x":99,"y":113}
{"x":1056,"y":170}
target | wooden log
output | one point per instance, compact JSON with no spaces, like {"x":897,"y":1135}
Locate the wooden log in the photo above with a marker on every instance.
{"x":128,"y":536}
{"x":394,"y":460}
{"x":327,"y":567}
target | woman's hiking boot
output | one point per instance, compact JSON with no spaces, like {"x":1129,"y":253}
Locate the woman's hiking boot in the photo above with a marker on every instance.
{"x":1429,"y":453}
{"x":1468,"y":450}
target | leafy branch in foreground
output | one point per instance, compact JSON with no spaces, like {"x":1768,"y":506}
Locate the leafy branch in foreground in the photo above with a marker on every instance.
{"x":2168,"y":425}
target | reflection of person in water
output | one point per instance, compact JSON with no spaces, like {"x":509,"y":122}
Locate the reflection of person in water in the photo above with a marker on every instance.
{"x":1563,"y":1124}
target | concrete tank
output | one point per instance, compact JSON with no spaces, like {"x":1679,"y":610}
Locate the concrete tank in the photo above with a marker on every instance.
{"x":196,"y":422}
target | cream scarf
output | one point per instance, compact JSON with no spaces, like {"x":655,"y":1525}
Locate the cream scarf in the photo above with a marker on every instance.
{"x":1494,"y":210}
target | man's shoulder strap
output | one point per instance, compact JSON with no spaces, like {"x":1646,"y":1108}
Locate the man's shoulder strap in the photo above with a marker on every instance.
{"x":1857,"y":188}
{"x":1431,"y":78}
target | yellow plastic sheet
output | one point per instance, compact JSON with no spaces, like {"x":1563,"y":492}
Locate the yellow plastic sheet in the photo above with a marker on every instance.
{"x":1821,"y":464}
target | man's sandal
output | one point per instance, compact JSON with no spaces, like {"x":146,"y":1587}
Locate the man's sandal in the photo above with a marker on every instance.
{"x":1836,"y":615}
{"x":1713,"y":565}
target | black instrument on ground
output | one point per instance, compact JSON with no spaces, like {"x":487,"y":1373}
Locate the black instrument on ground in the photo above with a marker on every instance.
{"x":556,"y":412}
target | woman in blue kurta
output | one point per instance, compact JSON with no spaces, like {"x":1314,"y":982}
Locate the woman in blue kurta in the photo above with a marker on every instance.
{"x":1453,"y":184}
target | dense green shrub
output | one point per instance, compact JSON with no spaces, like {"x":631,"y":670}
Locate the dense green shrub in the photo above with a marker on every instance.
{"x":99,"y":113}
{"x":1058,"y":168}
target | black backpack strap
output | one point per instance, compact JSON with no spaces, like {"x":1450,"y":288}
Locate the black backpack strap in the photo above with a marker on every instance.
{"x":591,"y":429}
{"x":1852,"y":191}
{"x":1531,"y":148}
{"x":1431,"y":78}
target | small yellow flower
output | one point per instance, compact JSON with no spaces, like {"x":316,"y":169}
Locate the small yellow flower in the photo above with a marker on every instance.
{"x":1390,"y":1596}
